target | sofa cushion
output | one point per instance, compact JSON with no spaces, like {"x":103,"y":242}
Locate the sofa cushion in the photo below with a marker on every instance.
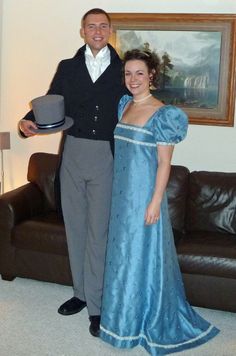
{"x":41,"y":171}
{"x":41,"y":233}
{"x":208,"y":253}
{"x":212,"y":202}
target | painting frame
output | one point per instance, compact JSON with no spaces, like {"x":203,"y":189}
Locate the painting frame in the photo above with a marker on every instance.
{"x":224,"y":24}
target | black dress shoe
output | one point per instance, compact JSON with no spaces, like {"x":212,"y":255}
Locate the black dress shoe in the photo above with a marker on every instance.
{"x":94,"y":327}
{"x":72,"y":306}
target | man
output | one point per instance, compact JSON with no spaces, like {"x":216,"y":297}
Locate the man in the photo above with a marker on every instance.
{"x":92,"y":86}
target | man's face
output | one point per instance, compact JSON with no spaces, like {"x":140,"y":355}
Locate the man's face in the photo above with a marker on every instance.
{"x":96,"y":32}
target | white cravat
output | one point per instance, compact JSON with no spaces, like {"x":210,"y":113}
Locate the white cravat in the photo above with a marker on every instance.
{"x":97,"y":65}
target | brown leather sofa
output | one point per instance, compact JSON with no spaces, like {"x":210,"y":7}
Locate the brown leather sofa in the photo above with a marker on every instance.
{"x":203,"y":215}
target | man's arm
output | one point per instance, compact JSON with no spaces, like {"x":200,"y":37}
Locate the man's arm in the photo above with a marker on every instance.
{"x":26,"y":124}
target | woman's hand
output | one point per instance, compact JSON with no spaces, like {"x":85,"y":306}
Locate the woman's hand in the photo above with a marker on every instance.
{"x":152,"y":213}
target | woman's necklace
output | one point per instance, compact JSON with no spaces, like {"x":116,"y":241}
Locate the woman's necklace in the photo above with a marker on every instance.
{"x":140,"y":100}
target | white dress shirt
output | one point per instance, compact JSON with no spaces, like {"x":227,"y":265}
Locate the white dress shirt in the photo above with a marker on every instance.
{"x":97,"y":65}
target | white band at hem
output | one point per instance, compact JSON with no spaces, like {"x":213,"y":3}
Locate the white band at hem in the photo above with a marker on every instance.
{"x":153,"y":344}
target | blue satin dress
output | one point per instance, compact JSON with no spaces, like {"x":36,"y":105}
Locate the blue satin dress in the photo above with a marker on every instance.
{"x":144,"y":301}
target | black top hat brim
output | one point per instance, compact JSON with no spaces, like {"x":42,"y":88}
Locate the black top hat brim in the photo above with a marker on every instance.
{"x":67,"y":124}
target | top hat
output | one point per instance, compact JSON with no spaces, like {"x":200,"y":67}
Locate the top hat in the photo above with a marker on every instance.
{"x":49,"y":113}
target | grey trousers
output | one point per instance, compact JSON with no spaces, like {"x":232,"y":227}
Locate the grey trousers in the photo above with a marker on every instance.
{"x":86,"y":183}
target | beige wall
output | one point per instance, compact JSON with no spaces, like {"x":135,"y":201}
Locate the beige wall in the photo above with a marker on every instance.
{"x":36,"y":34}
{"x":0,"y":54}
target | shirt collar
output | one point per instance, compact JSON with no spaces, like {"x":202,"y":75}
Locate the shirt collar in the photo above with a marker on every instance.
{"x":104,"y":52}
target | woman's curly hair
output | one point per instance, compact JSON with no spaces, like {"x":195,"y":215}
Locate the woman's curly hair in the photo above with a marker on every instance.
{"x":151,"y":60}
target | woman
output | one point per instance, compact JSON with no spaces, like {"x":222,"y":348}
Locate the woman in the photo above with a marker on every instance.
{"x":143,"y":299}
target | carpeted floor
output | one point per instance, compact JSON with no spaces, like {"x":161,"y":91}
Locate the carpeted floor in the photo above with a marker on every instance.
{"x":31,"y":326}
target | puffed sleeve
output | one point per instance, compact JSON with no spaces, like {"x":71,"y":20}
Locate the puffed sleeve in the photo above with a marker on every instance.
{"x":170,"y":125}
{"x":122,"y":103}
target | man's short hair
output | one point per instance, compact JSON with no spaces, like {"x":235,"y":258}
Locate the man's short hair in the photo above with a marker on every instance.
{"x":95,"y":11}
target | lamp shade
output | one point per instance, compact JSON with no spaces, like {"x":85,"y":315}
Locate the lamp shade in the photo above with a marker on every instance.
{"x":4,"y":140}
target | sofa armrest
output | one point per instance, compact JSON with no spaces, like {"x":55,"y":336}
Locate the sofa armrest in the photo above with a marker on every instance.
{"x":15,"y":206}
{"x":20,"y":204}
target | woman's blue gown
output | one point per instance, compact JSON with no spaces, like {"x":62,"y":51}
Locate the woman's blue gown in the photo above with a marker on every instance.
{"x":144,"y":301}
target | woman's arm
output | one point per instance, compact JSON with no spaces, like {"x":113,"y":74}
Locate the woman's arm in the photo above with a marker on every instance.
{"x":163,"y":171}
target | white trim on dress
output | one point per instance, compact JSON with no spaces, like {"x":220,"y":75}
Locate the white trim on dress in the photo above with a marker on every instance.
{"x":153,"y":344}
{"x":134,"y":128}
{"x":135,"y":141}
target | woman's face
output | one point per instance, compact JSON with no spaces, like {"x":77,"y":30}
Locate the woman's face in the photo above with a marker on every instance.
{"x":137,"y":77}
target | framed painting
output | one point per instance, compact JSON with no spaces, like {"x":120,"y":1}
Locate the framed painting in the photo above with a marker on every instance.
{"x":197,"y":59}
